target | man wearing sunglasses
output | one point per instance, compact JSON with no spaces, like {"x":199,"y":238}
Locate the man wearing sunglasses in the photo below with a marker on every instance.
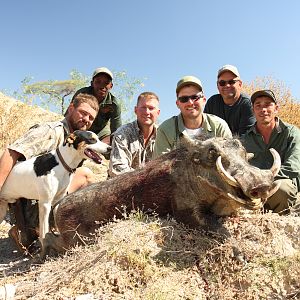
{"x":191,"y":121}
{"x":108,"y":119}
{"x":270,"y":132}
{"x":231,"y":104}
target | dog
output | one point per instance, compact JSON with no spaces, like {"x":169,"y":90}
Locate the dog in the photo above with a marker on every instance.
{"x":46,"y":178}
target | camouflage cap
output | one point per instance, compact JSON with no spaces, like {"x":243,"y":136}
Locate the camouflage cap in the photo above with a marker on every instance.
{"x":265,"y":93}
{"x":103,"y":70}
{"x":229,"y":68}
{"x":186,"y":80}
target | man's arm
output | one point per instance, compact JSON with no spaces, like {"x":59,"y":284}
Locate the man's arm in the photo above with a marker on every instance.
{"x":7,"y":162}
{"x":162,"y":143}
{"x":290,"y":166}
{"x":38,"y":140}
{"x":208,"y":108}
{"x":223,"y":129}
{"x":247,"y":118}
{"x":120,"y":157}
{"x":116,"y":121}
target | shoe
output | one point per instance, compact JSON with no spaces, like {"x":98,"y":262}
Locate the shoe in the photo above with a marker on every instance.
{"x":15,"y":235}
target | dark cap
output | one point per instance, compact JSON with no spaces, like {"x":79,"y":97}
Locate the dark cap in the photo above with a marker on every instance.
{"x":265,"y":93}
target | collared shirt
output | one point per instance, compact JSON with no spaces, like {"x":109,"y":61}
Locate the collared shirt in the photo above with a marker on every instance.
{"x":168,"y":136}
{"x":238,"y":116}
{"x":41,"y":139}
{"x":108,"y":119}
{"x":285,"y":139}
{"x":128,"y":149}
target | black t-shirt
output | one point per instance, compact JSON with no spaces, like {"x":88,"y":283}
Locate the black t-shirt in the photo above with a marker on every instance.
{"x":238,"y":116}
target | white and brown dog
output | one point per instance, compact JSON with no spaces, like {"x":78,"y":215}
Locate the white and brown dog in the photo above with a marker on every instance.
{"x":46,"y":178}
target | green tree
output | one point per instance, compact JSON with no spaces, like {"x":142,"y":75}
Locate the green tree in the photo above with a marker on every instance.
{"x":126,"y":89}
{"x":52,"y":94}
{"x":55,"y":95}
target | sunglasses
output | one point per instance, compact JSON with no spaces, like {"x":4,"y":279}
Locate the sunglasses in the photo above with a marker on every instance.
{"x":225,"y":82}
{"x":185,"y":99}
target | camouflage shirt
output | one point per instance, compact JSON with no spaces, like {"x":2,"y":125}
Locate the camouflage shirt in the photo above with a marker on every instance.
{"x":128,"y":149}
{"x":40,"y":139}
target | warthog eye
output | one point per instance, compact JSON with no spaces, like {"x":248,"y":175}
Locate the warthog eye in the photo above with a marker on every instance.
{"x":212,"y":154}
{"x":196,"y":158}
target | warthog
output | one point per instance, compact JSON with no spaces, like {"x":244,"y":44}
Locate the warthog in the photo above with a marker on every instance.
{"x":192,"y":182}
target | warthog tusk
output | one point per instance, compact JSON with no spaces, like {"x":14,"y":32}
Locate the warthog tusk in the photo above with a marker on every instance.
{"x":274,"y":188}
{"x":250,"y":156}
{"x":277,"y":162}
{"x":225,"y":175}
{"x":254,"y":204}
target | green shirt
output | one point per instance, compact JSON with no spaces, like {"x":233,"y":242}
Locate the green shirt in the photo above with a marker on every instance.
{"x":285,"y":139}
{"x":167,"y":134}
{"x":108,"y":119}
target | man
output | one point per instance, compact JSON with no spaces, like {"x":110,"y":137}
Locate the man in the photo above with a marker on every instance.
{"x":39,"y":140}
{"x":109,"y":116}
{"x":191,"y":121}
{"x":270,"y":132}
{"x":133,"y":143}
{"x":231,"y":105}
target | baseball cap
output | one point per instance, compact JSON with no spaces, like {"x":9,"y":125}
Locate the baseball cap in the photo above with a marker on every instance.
{"x":230,"y":68}
{"x":186,"y":80}
{"x":103,"y":70}
{"x":266,"y":93}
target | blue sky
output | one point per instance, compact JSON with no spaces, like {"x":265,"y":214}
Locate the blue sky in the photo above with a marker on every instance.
{"x":161,"y":40}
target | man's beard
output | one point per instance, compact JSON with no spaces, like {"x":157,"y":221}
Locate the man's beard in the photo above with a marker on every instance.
{"x":78,"y":125}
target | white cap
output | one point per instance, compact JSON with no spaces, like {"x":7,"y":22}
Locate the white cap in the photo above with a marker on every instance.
{"x":229,"y":68}
{"x":103,"y":70}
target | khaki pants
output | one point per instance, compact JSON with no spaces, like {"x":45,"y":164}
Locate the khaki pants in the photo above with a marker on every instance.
{"x":285,"y":199}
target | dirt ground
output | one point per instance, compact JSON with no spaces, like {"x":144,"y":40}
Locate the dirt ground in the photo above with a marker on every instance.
{"x":11,"y":261}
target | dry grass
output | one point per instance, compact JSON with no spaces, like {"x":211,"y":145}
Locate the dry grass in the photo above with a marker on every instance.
{"x":289,"y":108}
{"x":148,"y":258}
{"x":16,"y":118}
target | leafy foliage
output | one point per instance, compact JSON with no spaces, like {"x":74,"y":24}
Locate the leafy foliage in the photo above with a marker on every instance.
{"x":289,"y":109}
{"x":125,"y":88}
{"x":55,"y":95}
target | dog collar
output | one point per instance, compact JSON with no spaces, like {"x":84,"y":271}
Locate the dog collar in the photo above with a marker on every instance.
{"x":64,"y":163}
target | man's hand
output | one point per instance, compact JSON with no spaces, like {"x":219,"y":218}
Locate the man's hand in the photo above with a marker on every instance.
{"x":7,"y":162}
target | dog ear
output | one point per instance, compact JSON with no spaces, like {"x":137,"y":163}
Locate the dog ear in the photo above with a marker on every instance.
{"x":70,"y":139}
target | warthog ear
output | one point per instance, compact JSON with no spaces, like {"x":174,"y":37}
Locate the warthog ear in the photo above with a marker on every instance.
{"x":186,"y":141}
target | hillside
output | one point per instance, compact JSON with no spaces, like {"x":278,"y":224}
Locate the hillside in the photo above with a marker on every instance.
{"x":17,"y":117}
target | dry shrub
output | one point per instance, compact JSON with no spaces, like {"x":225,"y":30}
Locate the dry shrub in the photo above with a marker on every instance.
{"x":16,"y":118}
{"x":161,"y":259}
{"x":289,"y":108}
